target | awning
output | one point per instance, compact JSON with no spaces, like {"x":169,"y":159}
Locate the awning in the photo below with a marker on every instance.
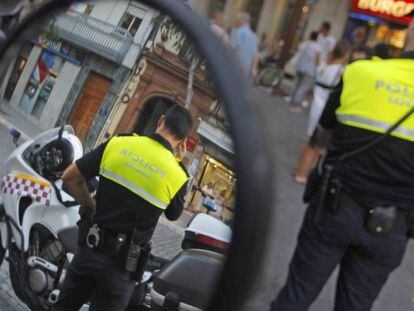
{"x":216,"y":136}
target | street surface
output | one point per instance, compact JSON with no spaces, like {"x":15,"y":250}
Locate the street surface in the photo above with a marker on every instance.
{"x":285,"y":133}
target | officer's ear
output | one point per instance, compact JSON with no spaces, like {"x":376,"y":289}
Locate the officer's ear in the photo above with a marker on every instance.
{"x":161,"y":122}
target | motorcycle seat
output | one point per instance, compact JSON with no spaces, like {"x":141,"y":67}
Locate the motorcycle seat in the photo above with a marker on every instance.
{"x":69,"y":238}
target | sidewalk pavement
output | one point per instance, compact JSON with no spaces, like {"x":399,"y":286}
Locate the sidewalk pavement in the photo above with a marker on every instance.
{"x":10,"y":118}
{"x":285,"y":133}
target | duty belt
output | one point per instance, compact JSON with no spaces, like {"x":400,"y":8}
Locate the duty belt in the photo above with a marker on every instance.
{"x":102,"y":238}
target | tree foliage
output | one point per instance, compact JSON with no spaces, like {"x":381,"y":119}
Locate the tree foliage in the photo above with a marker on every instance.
{"x":170,"y":31}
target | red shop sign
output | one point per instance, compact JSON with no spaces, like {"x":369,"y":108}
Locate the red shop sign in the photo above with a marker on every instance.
{"x":393,"y":10}
{"x":191,"y":143}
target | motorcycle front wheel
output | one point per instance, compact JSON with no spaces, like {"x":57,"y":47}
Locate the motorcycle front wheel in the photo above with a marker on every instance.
{"x":2,"y":223}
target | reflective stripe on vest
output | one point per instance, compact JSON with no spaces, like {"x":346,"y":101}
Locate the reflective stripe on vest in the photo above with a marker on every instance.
{"x":134,"y":188}
{"x":376,"y":94}
{"x":373,"y":125}
{"x":145,"y":167}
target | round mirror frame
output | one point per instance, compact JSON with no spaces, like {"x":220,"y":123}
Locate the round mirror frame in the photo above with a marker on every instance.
{"x":252,"y":161}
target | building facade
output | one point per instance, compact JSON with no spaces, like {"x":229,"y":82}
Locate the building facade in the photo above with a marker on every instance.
{"x":74,"y":69}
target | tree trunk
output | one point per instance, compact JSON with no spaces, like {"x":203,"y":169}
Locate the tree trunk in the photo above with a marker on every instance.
{"x":190,"y":86}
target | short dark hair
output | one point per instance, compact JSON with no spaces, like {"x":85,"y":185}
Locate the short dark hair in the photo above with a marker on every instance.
{"x":314,"y":35}
{"x":326,"y":25}
{"x":178,"y":121}
{"x":342,"y":48}
{"x":382,"y":50}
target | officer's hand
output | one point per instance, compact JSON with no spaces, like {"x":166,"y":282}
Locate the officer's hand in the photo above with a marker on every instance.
{"x":182,"y":149}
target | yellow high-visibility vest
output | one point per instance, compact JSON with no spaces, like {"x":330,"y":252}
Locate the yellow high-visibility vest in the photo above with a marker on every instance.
{"x":145,"y":167}
{"x":376,"y":94}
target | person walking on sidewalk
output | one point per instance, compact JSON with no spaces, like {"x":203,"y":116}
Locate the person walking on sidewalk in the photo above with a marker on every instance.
{"x":308,"y":60}
{"x":328,"y":77}
{"x":326,"y":41}
{"x":361,"y":211}
{"x":217,"y":26}
{"x":245,"y":44}
{"x":140,"y":178}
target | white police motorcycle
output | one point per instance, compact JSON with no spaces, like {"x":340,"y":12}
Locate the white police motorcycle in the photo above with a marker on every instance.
{"x":39,"y":234}
{"x":38,"y":218}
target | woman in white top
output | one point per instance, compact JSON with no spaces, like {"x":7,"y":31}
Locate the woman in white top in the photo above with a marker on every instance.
{"x":328,"y":77}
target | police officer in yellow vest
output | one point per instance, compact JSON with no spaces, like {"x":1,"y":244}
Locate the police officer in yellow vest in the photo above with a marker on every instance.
{"x":140,"y":178}
{"x":368,"y":200}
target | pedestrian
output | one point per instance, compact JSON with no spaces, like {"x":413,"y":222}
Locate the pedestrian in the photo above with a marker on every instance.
{"x":326,"y":41}
{"x":271,"y":55}
{"x":217,"y":26}
{"x":328,"y":77}
{"x":264,"y":44}
{"x":221,"y":202}
{"x":308,"y":59}
{"x":140,"y":178}
{"x":361,"y":212}
{"x":207,"y":192}
{"x":245,"y":44}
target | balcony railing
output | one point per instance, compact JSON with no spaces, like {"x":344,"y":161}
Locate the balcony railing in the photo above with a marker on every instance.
{"x":109,"y":41}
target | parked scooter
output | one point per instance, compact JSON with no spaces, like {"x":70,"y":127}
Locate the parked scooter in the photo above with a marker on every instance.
{"x":187,"y":282}
{"x":38,"y":230}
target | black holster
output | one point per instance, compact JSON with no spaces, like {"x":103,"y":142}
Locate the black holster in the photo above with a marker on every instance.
{"x":135,"y":257}
{"x":322,"y":194}
{"x":142,"y":263}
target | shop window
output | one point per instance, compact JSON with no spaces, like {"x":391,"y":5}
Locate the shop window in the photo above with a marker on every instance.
{"x":82,"y":8}
{"x":222,"y":180}
{"x":132,"y":19}
{"x":41,"y":84}
{"x":88,"y":9}
{"x":131,"y":23}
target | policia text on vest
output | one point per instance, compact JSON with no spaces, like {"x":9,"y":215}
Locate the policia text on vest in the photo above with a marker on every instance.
{"x":145,"y":167}
{"x":378,"y":100}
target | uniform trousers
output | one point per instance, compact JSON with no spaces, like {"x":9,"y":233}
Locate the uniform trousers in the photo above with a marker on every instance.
{"x":365,"y":260}
{"x":96,"y":276}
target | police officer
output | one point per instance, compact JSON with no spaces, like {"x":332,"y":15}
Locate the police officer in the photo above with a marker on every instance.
{"x":364,"y":226}
{"x":140,"y":178}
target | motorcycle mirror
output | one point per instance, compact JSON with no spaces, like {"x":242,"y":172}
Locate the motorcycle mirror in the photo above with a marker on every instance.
{"x":60,"y":135}
{"x":16,"y":136}
{"x":110,"y":67}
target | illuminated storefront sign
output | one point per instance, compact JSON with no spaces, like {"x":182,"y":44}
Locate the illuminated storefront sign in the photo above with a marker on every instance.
{"x":394,"y":10}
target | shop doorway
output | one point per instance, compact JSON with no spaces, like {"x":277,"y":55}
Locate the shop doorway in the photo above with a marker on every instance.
{"x":95,"y":89}
{"x":254,"y":7}
{"x":152,"y":110}
{"x":15,"y":76}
